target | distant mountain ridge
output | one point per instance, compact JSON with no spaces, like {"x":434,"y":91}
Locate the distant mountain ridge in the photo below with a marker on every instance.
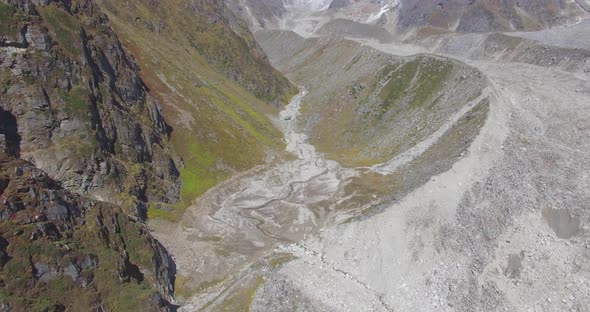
{"x":452,"y":15}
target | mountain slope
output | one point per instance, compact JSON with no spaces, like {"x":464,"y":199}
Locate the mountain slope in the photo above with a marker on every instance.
{"x":214,"y":83}
{"x":488,"y":15}
{"x":60,"y":251}
{"x":362,"y":97}
{"x":78,"y":108}
{"x":72,"y":103}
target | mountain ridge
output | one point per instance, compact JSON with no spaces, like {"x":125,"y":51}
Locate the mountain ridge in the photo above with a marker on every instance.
{"x":403,"y":16}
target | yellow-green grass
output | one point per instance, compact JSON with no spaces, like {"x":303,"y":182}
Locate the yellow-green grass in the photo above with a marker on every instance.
{"x":241,"y":299}
{"x":219,"y":127}
{"x":6,"y":13}
{"x":400,"y":89}
{"x":65,"y":27}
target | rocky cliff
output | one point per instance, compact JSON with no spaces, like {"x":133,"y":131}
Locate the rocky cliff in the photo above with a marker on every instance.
{"x":60,"y":251}
{"x":86,"y":154}
{"x":77,"y":123}
{"x":82,"y":114}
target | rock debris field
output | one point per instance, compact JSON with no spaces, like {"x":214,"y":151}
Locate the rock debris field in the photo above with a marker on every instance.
{"x":505,"y":228}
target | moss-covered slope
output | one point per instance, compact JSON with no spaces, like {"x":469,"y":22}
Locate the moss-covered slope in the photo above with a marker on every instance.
{"x":215,"y":85}
{"x":365,"y":107}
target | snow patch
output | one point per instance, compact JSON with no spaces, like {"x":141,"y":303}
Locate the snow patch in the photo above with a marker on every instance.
{"x":384,"y":8}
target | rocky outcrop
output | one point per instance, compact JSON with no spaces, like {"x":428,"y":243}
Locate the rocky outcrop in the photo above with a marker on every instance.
{"x":82,"y":112}
{"x":75,"y":111}
{"x":60,"y":251}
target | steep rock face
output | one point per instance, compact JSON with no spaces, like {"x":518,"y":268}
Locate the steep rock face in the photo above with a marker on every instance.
{"x":83,"y":114}
{"x":60,"y":251}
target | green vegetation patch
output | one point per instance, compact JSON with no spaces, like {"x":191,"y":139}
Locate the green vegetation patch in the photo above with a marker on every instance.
{"x":181,"y":289}
{"x":76,"y":101}
{"x":197,"y":175}
{"x":418,"y":79}
{"x":242,"y":298}
{"x":157,"y":213}
{"x":399,"y":81}
{"x":280,"y":259}
{"x":6,"y":18}
{"x":65,"y":28}
{"x":430,"y":80}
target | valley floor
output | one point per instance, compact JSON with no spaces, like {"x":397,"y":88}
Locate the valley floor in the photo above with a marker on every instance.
{"x":506,"y":228}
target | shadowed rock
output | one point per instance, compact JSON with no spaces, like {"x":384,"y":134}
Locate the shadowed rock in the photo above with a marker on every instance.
{"x":561,"y":222}
{"x":9,"y":137}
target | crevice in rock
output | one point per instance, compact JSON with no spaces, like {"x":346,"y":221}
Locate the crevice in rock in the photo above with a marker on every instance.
{"x":9,"y":137}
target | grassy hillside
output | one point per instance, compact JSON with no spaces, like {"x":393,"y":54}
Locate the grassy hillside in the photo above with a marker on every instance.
{"x":364,"y":107}
{"x":214,"y":84}
{"x":384,"y":114}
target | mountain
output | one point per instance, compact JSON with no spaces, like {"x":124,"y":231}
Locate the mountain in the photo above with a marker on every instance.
{"x":213,"y":82}
{"x":401,"y":16}
{"x":77,"y":107}
{"x":111,"y":113}
{"x":316,"y":155}
{"x":258,"y":12}
{"x":60,"y":251}
{"x":488,"y":15}
{"x":78,"y":125}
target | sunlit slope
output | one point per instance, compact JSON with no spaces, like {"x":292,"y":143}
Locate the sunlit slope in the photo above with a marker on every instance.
{"x":214,"y":84}
{"x":365,"y":107}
